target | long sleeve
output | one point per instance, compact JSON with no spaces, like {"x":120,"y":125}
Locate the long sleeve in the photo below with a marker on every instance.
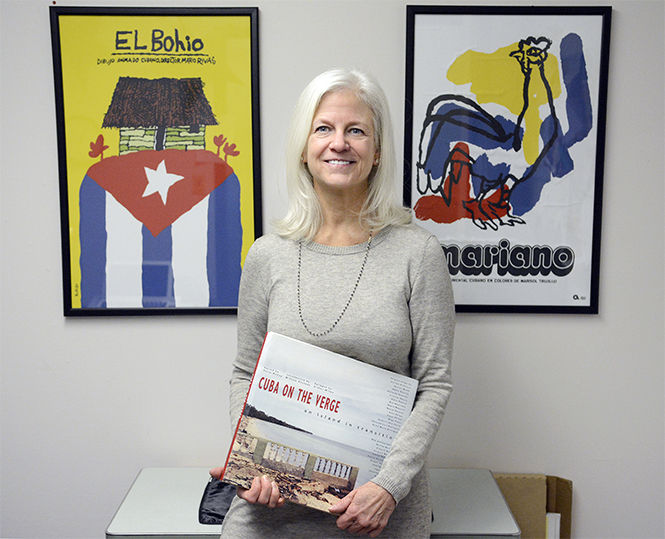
{"x":432,"y":315}
{"x":252,"y":326}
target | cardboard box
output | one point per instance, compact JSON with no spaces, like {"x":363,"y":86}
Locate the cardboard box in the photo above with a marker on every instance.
{"x":531,"y":496}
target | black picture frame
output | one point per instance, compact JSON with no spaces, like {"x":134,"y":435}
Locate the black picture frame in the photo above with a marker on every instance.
{"x":471,"y":146}
{"x":166,"y":86}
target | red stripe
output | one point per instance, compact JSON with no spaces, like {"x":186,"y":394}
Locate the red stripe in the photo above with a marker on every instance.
{"x":124,"y":177}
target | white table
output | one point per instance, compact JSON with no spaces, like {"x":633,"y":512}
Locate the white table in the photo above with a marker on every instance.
{"x":468,"y":503}
{"x":164,"y":503}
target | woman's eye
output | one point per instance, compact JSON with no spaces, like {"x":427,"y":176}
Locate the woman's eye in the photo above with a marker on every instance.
{"x":356,"y":131}
{"x":322,"y":129}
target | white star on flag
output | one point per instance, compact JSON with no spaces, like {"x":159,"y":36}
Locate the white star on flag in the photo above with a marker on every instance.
{"x":160,"y":181}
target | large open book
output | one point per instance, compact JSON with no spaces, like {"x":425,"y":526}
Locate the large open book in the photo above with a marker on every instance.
{"x":316,"y":422}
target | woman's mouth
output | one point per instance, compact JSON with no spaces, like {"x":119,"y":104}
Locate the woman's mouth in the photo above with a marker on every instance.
{"x":338,"y":162}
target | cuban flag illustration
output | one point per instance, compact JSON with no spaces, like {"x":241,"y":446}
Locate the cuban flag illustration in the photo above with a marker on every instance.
{"x":160,"y":229}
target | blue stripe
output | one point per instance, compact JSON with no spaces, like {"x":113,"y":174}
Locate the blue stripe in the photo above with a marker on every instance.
{"x":578,"y":101}
{"x":92,"y":235}
{"x":157,"y":270}
{"x":224,"y":243}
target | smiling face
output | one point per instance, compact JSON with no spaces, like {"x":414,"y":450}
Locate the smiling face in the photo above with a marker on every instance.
{"x":340,"y":149}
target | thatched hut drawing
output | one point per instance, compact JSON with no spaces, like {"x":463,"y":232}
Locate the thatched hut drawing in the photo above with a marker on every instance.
{"x":158,"y":114}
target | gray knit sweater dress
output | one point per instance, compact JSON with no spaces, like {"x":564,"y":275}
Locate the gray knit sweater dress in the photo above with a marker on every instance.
{"x":401,"y":318}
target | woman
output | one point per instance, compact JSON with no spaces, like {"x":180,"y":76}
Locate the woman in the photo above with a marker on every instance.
{"x":348,"y":272}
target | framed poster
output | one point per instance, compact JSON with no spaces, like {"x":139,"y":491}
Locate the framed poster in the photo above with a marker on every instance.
{"x":159,"y":160}
{"x":504,"y":150}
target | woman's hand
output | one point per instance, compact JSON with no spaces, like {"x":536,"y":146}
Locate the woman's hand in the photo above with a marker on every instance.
{"x":365,"y":510}
{"x":216,"y":472}
{"x":263,"y":491}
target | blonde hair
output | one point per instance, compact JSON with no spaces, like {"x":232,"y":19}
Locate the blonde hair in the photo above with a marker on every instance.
{"x":303,"y":218}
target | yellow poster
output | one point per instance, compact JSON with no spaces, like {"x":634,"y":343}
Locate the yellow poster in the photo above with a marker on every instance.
{"x":159,"y":157}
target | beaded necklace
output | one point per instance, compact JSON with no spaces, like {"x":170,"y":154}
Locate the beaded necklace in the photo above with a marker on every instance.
{"x":348,"y":302}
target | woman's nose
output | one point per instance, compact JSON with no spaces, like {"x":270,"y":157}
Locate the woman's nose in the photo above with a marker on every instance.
{"x":338,"y":142}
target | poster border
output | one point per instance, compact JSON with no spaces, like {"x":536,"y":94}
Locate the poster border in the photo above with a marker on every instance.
{"x":605,"y":13}
{"x":54,"y":13}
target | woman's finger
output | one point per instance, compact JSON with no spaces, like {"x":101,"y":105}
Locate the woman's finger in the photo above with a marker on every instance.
{"x":275,"y":498}
{"x":250,"y":495}
{"x":265,"y":490}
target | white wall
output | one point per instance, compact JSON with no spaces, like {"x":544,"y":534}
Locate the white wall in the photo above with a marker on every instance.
{"x":87,"y":402}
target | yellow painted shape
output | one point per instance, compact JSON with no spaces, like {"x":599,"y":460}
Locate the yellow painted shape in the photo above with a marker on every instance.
{"x":496,"y":77}
{"x":88,"y":44}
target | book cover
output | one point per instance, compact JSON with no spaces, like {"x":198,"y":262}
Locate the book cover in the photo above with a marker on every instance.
{"x":316,"y":422}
